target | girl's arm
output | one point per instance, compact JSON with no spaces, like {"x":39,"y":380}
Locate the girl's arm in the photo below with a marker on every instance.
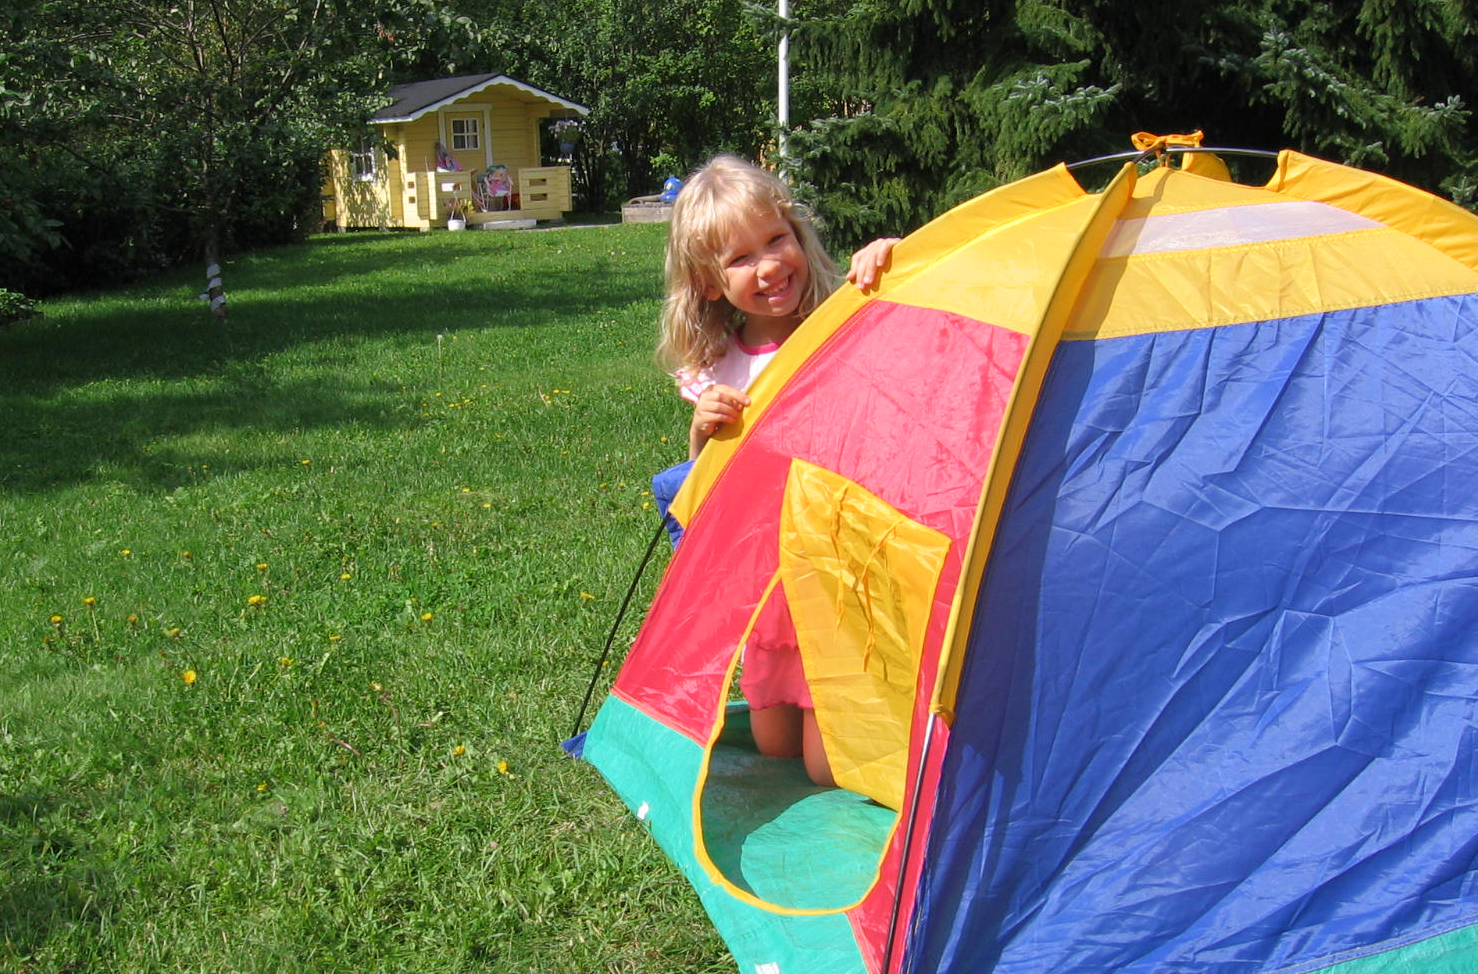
{"x":868,"y":262}
{"x":717,"y":405}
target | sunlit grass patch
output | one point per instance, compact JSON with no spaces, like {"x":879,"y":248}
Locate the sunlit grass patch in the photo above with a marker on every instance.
{"x":297,"y":611}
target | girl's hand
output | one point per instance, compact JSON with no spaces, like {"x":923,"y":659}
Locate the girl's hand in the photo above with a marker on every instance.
{"x":869,"y":262}
{"x":717,"y":405}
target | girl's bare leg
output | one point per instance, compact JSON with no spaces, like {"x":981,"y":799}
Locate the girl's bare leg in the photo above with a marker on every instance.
{"x":817,"y":766}
{"x":777,"y":730}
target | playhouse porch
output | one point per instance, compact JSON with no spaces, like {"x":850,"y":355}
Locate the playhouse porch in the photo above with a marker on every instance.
{"x":532,"y":193}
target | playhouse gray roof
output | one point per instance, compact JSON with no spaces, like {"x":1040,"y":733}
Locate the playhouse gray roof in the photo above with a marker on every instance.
{"x":419,"y":97}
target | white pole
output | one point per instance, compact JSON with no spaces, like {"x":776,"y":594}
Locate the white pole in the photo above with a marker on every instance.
{"x":782,"y":115}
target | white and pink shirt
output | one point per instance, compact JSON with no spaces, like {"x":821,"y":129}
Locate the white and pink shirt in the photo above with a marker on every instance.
{"x":739,"y":366}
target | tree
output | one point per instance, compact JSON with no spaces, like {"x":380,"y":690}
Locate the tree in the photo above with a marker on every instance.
{"x":950,"y":98}
{"x":193,"y":126}
{"x":667,"y":84}
{"x":232,"y":101}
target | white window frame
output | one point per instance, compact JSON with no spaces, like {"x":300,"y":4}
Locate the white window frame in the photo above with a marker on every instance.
{"x":364,"y":162}
{"x":466,"y":133}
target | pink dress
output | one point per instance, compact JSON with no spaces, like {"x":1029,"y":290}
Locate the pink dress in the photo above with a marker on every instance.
{"x":771,"y":672}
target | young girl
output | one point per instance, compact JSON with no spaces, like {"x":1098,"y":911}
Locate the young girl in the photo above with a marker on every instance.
{"x":744,"y":268}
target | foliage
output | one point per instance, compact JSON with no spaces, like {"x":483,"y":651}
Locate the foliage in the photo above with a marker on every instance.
{"x":948,"y":100}
{"x":154,"y":131}
{"x":15,"y":308}
{"x":381,"y":525}
{"x":674,"y":81}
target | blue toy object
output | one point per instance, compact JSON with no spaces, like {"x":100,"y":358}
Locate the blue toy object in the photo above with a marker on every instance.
{"x":664,"y":488}
{"x":670,"y":188}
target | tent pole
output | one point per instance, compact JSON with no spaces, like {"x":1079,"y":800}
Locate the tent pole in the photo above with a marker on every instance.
{"x":782,"y":96}
{"x":908,"y":834}
{"x":1138,"y":155}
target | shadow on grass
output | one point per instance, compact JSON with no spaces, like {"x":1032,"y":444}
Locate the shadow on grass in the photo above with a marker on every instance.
{"x":86,"y":392}
{"x":48,"y":887}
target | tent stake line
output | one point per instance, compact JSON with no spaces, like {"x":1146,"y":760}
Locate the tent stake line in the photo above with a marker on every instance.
{"x":615,"y":626}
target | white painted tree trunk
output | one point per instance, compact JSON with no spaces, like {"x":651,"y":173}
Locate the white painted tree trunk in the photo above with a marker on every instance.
{"x":214,"y":292}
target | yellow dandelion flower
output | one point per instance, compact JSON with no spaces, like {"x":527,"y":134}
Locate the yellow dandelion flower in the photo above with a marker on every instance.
{"x":133,"y":619}
{"x":502,"y":767}
{"x":427,"y":616}
{"x":466,"y":490}
{"x":56,"y":620}
{"x":306,"y":462}
{"x":284,"y":661}
{"x":125,"y":552}
{"x":262,"y":786}
{"x":459,"y":750}
{"x":256,"y":599}
{"x":184,"y":554}
{"x":587,"y":597}
{"x":375,"y":687}
{"x":189,"y":677}
{"x":90,"y":600}
{"x":261,"y":566}
{"x":646,"y":505}
{"x":345,"y":577}
{"x":335,"y":638}
{"x":173,"y":634}
{"x":487,"y":506}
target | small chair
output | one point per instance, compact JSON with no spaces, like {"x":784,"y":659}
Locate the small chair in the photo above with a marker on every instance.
{"x":491,"y":189}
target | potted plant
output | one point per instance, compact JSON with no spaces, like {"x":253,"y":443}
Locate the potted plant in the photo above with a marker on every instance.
{"x":567,"y":132}
{"x":457,"y":210}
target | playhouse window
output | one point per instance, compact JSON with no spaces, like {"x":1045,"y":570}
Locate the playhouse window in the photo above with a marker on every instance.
{"x":465,"y":134}
{"x":362,"y":160}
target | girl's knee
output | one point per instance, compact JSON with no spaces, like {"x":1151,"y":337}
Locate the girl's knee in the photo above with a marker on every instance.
{"x":818,"y":767}
{"x":786,"y":731}
{"x":777,"y":731}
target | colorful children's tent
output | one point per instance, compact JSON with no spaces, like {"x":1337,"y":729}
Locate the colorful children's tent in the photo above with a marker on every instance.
{"x":1131,"y":544}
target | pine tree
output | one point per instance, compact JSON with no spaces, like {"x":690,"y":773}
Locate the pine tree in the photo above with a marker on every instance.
{"x":949,"y":99}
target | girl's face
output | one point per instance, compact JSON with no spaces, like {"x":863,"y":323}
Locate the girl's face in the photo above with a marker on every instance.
{"x":764,"y":269}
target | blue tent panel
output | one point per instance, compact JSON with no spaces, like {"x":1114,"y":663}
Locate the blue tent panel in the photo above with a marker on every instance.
{"x":1224,"y":701}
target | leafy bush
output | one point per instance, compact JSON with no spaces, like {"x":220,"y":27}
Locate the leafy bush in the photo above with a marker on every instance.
{"x":15,"y":307}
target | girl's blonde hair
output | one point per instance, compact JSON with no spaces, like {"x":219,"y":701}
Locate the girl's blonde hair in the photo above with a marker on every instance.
{"x":725,"y":191}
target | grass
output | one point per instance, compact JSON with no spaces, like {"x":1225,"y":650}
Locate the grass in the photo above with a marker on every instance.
{"x":296,"y":611}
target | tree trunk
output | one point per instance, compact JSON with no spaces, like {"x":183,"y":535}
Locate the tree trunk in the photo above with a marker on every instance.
{"x":214,"y":293}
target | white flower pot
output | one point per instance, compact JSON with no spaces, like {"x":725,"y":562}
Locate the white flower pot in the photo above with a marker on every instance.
{"x":453,"y":223}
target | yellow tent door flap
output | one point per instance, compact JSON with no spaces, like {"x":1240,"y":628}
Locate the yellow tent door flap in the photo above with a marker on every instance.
{"x":860,"y":580}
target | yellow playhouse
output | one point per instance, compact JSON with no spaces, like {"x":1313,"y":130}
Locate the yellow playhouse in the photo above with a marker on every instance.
{"x":465,"y":146}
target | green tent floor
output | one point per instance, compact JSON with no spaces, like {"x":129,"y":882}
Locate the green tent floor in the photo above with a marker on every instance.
{"x":777,"y":836}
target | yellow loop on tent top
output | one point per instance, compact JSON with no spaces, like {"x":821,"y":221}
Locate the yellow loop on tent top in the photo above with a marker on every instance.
{"x":1149,"y":142}
{"x":1202,"y":163}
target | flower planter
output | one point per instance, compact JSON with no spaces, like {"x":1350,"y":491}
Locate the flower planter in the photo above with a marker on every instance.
{"x":453,"y":223}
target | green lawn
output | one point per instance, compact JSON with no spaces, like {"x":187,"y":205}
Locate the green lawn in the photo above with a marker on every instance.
{"x":296,"y":612}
